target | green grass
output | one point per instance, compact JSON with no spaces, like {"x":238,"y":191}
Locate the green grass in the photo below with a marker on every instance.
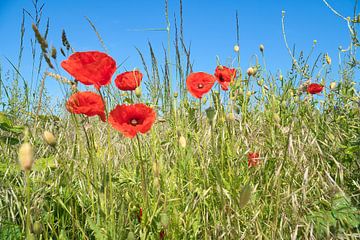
{"x":90,"y":186}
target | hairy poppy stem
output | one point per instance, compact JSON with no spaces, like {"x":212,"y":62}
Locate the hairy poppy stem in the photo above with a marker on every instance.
{"x":200,"y":116}
{"x":28,"y":205}
{"x":143,"y":174}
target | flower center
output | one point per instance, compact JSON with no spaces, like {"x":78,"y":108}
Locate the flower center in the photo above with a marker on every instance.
{"x":200,"y":86}
{"x":134,"y":122}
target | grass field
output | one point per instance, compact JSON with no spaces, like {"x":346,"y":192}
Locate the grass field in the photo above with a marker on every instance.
{"x":265,"y":159}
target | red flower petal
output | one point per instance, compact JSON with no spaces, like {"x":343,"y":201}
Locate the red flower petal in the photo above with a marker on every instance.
{"x":128,"y":81}
{"x":90,"y":68}
{"x":131,"y":119}
{"x":87,"y":103}
{"x":225,"y":76}
{"x":314,"y":88}
{"x":253,"y":159}
{"x":199,"y":83}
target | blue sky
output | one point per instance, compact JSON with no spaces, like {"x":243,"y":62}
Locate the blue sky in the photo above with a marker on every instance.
{"x":209,"y":26}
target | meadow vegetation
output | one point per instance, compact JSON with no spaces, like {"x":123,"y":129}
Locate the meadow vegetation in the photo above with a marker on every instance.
{"x":266,"y":159}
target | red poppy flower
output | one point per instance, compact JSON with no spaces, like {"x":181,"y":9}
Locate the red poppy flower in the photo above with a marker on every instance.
{"x":140,"y":215}
{"x":225,"y":76}
{"x":128,"y":81}
{"x":253,"y":159}
{"x":90,"y":68}
{"x":131,"y":119}
{"x":199,"y":83}
{"x":314,"y":88}
{"x":87,"y":103}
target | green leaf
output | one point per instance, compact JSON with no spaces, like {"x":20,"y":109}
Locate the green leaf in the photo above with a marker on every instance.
{"x":9,"y":140}
{"x":43,"y":163}
{"x":245,"y":195}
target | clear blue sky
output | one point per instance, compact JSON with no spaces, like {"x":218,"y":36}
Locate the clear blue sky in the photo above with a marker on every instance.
{"x":209,"y":25}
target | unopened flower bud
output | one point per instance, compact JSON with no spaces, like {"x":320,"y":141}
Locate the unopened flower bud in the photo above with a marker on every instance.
{"x":26,"y":156}
{"x":248,"y":93}
{"x":49,"y":138}
{"x":261,"y":47}
{"x":37,"y":228}
{"x":176,"y":94}
{"x":182,"y":141}
{"x":230,"y":117}
{"x":260,"y":82}
{"x":250,"y":71}
{"x":328,"y":59}
{"x":138,"y":92}
{"x":281,"y":77}
{"x":333,"y":85}
{"x":236,"y":48}
{"x":210,"y":114}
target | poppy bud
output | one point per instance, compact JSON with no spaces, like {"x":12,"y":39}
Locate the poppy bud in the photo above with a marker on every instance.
{"x":130,"y":236}
{"x":248,"y":93}
{"x":266,"y":87}
{"x":250,"y":71}
{"x":261,"y":48}
{"x":164,"y":220}
{"x":26,"y":156}
{"x":182,"y":141}
{"x":328,"y":59}
{"x":333,"y":85}
{"x":260,"y":82}
{"x":37,"y":228}
{"x":210,"y":114}
{"x":230,"y":117}
{"x":138,"y":92}
{"x":315,"y":41}
{"x":49,"y":138}
{"x":281,"y":77}
{"x":236,"y":48}
{"x":176,"y":94}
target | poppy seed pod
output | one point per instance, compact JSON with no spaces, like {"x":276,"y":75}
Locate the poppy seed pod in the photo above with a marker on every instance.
{"x":236,"y":48}
{"x":26,"y":156}
{"x":49,"y":138}
{"x":182,"y":141}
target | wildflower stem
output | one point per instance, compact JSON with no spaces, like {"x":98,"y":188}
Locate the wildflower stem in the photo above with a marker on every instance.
{"x":27,"y":192}
{"x":143,"y":174}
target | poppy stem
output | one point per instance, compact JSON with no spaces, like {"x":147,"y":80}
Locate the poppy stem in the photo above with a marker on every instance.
{"x":143,"y":174}
{"x":28,"y":206}
{"x":200,"y":115}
